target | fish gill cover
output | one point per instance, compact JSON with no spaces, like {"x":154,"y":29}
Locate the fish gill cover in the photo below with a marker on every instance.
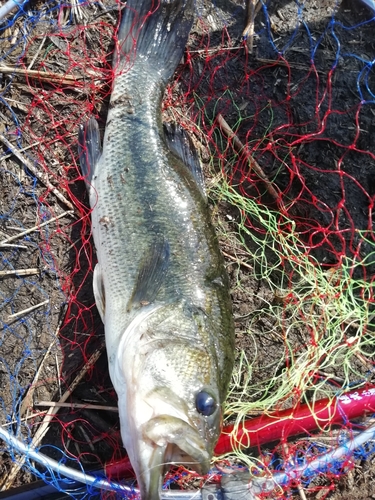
{"x":283,"y":123}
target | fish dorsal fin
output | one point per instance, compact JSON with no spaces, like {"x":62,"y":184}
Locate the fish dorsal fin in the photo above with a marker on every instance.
{"x":151,"y":273}
{"x":98,"y":286}
{"x":89,"y":148}
{"x":180,"y":143}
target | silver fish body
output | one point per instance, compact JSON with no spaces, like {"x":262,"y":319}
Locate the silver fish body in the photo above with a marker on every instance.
{"x":160,"y":283}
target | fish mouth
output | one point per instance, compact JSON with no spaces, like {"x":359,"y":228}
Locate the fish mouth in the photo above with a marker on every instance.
{"x":173,"y":441}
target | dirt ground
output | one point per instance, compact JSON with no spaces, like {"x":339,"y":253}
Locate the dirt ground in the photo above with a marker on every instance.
{"x":56,"y":351}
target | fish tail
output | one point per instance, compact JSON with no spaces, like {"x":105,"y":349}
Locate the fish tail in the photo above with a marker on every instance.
{"x":155,"y":32}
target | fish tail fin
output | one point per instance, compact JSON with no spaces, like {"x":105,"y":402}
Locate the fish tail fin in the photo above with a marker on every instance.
{"x":155,"y":31}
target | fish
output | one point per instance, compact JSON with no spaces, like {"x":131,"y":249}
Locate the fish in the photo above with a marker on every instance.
{"x":160,"y":283}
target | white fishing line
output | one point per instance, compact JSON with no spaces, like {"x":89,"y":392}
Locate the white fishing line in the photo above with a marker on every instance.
{"x":9,"y":6}
{"x":370,"y":4}
{"x":63,"y":470}
{"x":255,"y":487}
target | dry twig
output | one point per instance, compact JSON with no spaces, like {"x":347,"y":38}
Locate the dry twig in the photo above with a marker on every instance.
{"x":16,"y":421}
{"x":27,"y":401}
{"x":253,"y":163}
{"x":282,"y":62}
{"x":239,"y":261}
{"x":19,"y":272}
{"x":26,"y":311}
{"x":42,"y":75}
{"x":77,"y":406}
{"x":42,"y":176}
{"x":35,"y":228}
{"x":253,"y":7}
{"x":37,"y":53}
{"x":21,"y":247}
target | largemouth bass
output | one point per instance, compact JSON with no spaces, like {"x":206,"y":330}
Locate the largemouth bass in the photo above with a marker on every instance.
{"x":160,"y":284}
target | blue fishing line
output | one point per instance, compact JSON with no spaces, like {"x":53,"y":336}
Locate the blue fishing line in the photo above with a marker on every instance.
{"x":296,"y":29}
{"x":269,"y":31}
{"x":363,"y":74}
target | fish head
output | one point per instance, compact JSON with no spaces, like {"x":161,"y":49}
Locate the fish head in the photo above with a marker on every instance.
{"x":167,"y":379}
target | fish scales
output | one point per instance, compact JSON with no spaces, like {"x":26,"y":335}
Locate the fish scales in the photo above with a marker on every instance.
{"x":130,"y":211}
{"x":160,"y":283}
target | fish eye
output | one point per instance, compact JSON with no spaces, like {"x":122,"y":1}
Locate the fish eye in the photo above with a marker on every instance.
{"x":205,"y":403}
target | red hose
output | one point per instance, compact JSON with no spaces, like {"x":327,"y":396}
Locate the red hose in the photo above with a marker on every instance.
{"x":280,"y":425}
{"x":300,"y":420}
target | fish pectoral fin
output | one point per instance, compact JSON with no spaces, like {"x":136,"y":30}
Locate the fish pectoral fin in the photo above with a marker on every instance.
{"x":98,"y":286}
{"x":151,"y":273}
{"x":180,"y":143}
{"x":89,"y":148}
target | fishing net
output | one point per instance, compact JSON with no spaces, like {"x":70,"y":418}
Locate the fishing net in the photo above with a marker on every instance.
{"x":283,"y":123}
